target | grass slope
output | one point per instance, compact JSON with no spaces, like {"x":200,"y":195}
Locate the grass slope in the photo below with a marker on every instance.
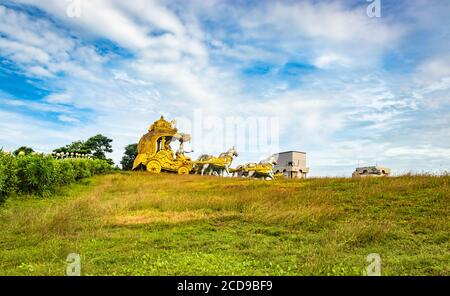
{"x":141,"y":224}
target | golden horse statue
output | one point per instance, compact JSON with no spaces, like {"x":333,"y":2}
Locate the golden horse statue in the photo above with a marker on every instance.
{"x":261,"y":170}
{"x":216,"y":165}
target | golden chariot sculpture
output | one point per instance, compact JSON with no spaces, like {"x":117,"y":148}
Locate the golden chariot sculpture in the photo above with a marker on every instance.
{"x":156,"y":155}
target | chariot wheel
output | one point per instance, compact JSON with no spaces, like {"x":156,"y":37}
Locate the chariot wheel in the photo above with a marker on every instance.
{"x":154,"y":167}
{"x":183,"y":171}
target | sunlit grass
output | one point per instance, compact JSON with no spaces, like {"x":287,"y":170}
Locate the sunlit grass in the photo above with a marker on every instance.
{"x":142,"y":224}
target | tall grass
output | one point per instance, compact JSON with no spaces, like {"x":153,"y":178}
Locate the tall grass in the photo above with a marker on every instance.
{"x":139,"y":223}
{"x":314,"y":205}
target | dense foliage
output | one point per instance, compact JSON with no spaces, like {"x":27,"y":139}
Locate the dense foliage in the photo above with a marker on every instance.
{"x":39,"y":174}
{"x":96,"y":146}
{"x":23,"y":151}
{"x":99,"y":145}
{"x":8,"y":175}
{"x":128,"y":157}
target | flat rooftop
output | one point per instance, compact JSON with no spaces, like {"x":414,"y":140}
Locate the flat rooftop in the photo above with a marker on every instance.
{"x":292,"y":151}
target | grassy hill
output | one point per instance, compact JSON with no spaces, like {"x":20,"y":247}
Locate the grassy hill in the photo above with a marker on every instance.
{"x":142,"y":224}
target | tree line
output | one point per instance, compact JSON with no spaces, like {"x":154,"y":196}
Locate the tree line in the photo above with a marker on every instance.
{"x":97,"y":147}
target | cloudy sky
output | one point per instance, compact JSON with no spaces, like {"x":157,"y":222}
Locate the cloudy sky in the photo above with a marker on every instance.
{"x":342,"y":86}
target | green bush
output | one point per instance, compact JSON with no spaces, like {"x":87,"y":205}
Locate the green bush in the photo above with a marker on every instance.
{"x":82,"y":168}
{"x":101,"y":166}
{"x":65,"y":171}
{"x":8,"y":175}
{"x":41,"y":175}
{"x":37,"y":174}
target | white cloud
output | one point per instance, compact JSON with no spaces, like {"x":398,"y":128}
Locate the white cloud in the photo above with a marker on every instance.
{"x":329,"y":26}
{"x":123,"y":77}
{"x":98,"y":17}
{"x":65,"y":118}
{"x":59,"y":98}
{"x":436,"y":68}
{"x":330,"y":21}
{"x":43,"y":50}
{"x":422,"y":151}
{"x":330,"y":59}
{"x":23,"y":53}
{"x":349,"y":108}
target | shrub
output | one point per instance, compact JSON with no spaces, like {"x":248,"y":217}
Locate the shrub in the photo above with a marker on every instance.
{"x":101,"y":166}
{"x":65,"y":171}
{"x":8,"y":175}
{"x":41,"y":175}
{"x":82,"y":168}
{"x":36,"y":174}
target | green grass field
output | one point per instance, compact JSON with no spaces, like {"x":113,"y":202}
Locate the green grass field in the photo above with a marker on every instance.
{"x":143,"y":224}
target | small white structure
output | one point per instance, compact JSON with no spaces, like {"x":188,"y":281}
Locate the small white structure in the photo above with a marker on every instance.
{"x":292,"y":164}
{"x":371,"y":171}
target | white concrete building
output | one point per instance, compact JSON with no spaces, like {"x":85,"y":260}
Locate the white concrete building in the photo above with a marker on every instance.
{"x":371,"y":171}
{"x":292,"y":164}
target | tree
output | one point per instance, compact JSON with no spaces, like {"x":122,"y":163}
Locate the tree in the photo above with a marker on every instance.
{"x":99,"y":145}
{"x":128,"y":157}
{"x":75,"y":147}
{"x":23,"y":151}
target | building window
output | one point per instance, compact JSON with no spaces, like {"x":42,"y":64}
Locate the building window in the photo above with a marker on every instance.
{"x":290,"y":163}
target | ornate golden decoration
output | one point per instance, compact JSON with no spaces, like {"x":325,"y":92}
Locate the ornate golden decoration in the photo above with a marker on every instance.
{"x":258,"y":168}
{"x":263,"y":169}
{"x":155,"y":153}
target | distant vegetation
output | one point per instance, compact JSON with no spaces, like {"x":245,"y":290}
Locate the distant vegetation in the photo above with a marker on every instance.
{"x":96,"y":146}
{"x":41,"y":175}
{"x":136,"y":223}
{"x":128,"y":157}
{"x":23,"y":151}
{"x":27,"y":172}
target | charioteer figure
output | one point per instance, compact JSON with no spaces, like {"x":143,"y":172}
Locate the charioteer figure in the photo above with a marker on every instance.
{"x":181,"y":152}
{"x":166,"y":145}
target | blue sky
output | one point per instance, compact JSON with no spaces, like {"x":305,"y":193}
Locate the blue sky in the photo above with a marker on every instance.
{"x":344,"y":87}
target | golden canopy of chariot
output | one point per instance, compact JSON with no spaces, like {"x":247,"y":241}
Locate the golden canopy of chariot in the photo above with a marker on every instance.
{"x":155,"y":153}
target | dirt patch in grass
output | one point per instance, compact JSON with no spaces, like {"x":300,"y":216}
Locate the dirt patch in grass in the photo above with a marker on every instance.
{"x":145,"y":217}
